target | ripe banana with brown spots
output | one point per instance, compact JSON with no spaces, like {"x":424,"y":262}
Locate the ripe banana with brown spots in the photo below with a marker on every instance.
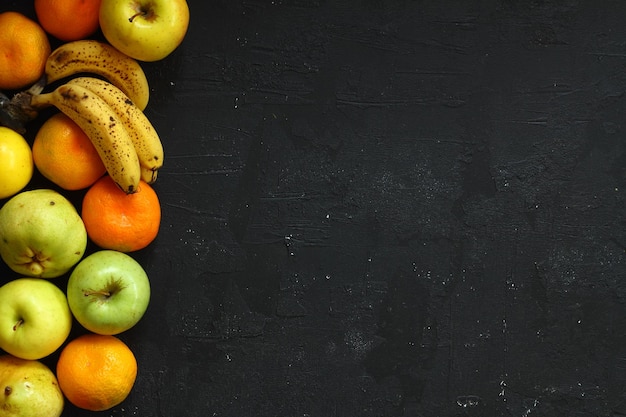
{"x":96,"y":57}
{"x":103,"y":127}
{"x":147,"y":142}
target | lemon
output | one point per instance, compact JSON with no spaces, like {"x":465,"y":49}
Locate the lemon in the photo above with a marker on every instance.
{"x":16,"y":169}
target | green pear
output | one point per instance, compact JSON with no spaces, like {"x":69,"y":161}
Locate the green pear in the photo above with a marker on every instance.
{"x":28,"y":388}
{"x":41,"y":234}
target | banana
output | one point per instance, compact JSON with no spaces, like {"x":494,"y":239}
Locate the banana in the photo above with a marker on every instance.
{"x":92,"y":56}
{"x":103,"y":127}
{"x":147,"y":143}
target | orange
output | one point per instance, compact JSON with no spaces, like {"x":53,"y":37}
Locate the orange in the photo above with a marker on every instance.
{"x":96,"y":372}
{"x":64,"y":154}
{"x":24,"y":48}
{"x":68,"y":20}
{"x":119,"y":221}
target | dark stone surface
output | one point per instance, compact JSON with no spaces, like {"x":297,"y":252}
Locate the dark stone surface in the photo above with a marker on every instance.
{"x":388,"y":208}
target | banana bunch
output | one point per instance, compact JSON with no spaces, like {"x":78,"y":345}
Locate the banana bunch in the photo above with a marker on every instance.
{"x":108,"y":110}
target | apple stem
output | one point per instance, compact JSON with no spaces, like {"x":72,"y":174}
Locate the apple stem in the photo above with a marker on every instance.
{"x":7,"y":391}
{"x":18,"y":324}
{"x":104,"y":293}
{"x":139,"y":13}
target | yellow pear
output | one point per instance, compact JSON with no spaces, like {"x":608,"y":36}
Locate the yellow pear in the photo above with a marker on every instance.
{"x":28,"y":388}
{"x":43,"y":235}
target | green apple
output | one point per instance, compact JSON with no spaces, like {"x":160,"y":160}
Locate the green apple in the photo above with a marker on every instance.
{"x":146,"y":30}
{"x":108,"y":292}
{"x":42,"y":234}
{"x":16,"y":169}
{"x":28,"y":388}
{"x":35,"y":319}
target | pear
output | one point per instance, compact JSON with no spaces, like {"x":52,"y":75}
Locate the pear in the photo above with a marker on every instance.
{"x":28,"y":388}
{"x":41,"y":234}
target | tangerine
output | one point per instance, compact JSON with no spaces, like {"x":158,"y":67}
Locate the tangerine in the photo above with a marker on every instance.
{"x":119,"y":221}
{"x":96,"y":372}
{"x":64,"y":154}
{"x":68,"y":20}
{"x":24,"y":48}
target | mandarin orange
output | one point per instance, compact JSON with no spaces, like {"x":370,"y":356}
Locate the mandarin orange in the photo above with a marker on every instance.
{"x":96,"y":372}
{"x":24,"y":48}
{"x":119,"y":221}
{"x":64,"y":154}
{"x":68,"y":20}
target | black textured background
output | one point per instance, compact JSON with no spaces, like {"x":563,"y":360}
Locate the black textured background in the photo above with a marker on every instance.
{"x":388,"y":208}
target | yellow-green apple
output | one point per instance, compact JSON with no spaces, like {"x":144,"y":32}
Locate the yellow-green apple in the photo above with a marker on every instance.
{"x":146,"y":30}
{"x":42,"y":234}
{"x":35,"y":319}
{"x":16,"y":169}
{"x":28,"y":388}
{"x":108,"y":292}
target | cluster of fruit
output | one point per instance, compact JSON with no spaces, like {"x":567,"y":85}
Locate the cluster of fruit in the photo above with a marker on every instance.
{"x":96,"y":139}
{"x":110,"y":113}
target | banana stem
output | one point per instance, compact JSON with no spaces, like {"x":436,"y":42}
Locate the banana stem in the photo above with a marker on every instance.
{"x":24,"y":106}
{"x":38,"y":87}
{"x":40,"y":101}
{"x":18,"y":111}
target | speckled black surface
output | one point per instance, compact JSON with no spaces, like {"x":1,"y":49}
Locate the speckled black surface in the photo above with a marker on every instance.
{"x":388,"y":208}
